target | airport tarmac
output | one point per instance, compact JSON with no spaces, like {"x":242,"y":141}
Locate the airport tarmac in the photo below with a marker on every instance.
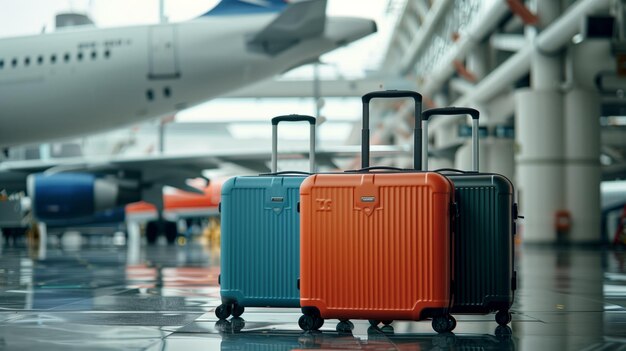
{"x":92,"y":297}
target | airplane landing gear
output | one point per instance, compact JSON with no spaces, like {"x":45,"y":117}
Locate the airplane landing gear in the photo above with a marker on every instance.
{"x":169,"y":229}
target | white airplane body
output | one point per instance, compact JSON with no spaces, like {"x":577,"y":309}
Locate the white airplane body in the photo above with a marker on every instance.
{"x":81,"y":81}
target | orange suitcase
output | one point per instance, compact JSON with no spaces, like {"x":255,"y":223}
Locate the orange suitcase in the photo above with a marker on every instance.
{"x":376,"y":243}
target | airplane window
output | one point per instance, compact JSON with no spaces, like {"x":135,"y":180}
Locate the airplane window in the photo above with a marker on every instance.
{"x":167,"y":92}
{"x":93,"y":55}
{"x":107,"y":53}
{"x":14,"y":62}
{"x":150,"y":94}
{"x":1,"y":64}
{"x":53,"y":59}
{"x":40,"y":59}
{"x":26,"y":61}
{"x":79,"y":56}
{"x":67,"y":57}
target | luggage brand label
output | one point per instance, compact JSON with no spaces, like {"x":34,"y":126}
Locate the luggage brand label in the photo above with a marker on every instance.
{"x":278,"y":199}
{"x":324,"y":204}
{"x":368,"y":198}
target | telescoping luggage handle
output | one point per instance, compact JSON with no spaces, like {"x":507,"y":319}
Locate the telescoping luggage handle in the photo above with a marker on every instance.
{"x":450,"y":111}
{"x":365,"y":132}
{"x":293,"y":118}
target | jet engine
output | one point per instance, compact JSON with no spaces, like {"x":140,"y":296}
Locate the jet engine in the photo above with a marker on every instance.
{"x":63,"y":196}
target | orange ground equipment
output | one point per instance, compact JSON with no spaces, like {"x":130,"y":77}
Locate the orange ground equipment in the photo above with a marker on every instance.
{"x":376,"y":242}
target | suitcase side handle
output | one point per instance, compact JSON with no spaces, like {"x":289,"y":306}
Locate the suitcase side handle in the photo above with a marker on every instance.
{"x":293,"y":118}
{"x":454,"y":170}
{"x":365,"y":131}
{"x":451,"y":111}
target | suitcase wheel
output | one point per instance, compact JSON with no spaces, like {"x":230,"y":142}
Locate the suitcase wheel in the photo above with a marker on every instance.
{"x":237,"y":324}
{"x":234,"y":325}
{"x":222,"y":325}
{"x":222,"y":311}
{"x":237,"y":310}
{"x":504,"y":332}
{"x":319,"y":321}
{"x":503,"y":317}
{"x":387,"y":322}
{"x":344,"y":326}
{"x":444,"y":324}
{"x":387,"y":329}
{"x":308,"y":323}
{"x":451,"y":323}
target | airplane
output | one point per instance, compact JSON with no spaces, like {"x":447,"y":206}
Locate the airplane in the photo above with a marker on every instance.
{"x":84,"y":80}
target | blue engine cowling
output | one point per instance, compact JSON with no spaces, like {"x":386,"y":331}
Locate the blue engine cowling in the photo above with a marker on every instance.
{"x":107,"y":217}
{"x":64,"y":196}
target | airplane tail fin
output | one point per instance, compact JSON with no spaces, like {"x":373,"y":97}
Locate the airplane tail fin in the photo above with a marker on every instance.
{"x":240,"y":7}
{"x":301,"y":20}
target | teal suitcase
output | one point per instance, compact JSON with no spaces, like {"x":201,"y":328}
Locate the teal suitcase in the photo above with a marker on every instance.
{"x":260,"y":235}
{"x":484,"y":275}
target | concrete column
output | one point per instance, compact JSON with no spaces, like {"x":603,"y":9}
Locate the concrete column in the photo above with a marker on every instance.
{"x":463,"y":158}
{"x":501,"y":157}
{"x":583,"y":173}
{"x":582,"y":107}
{"x":539,"y":161}
{"x":539,"y":137}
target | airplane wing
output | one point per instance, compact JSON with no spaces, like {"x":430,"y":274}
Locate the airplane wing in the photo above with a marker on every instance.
{"x":79,"y":187}
{"x":173,"y":170}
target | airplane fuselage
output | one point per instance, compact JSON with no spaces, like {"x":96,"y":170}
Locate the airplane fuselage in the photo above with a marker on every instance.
{"x":82,"y":81}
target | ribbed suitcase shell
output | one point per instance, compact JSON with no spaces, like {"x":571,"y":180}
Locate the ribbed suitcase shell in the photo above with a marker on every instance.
{"x":260,"y":241}
{"x":484,"y":272}
{"x":388,"y":257}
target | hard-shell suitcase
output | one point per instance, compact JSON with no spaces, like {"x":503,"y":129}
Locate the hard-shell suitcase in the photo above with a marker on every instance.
{"x":260,"y":235}
{"x":485,"y":280}
{"x":376,"y":244}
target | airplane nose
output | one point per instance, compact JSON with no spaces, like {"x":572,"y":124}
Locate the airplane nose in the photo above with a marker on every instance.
{"x":343,"y":30}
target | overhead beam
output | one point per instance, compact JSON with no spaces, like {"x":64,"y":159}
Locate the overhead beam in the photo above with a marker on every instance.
{"x":552,"y":39}
{"x":474,"y":35}
{"x":436,"y":13}
{"x":508,"y":42}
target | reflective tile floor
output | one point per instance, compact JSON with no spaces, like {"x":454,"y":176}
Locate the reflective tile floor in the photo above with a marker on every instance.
{"x":102,"y":297}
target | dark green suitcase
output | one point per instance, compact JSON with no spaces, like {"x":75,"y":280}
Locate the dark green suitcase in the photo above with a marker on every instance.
{"x":484,"y":275}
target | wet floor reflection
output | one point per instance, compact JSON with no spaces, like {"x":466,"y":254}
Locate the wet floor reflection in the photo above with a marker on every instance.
{"x":102,"y":296}
{"x":235,"y":337}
